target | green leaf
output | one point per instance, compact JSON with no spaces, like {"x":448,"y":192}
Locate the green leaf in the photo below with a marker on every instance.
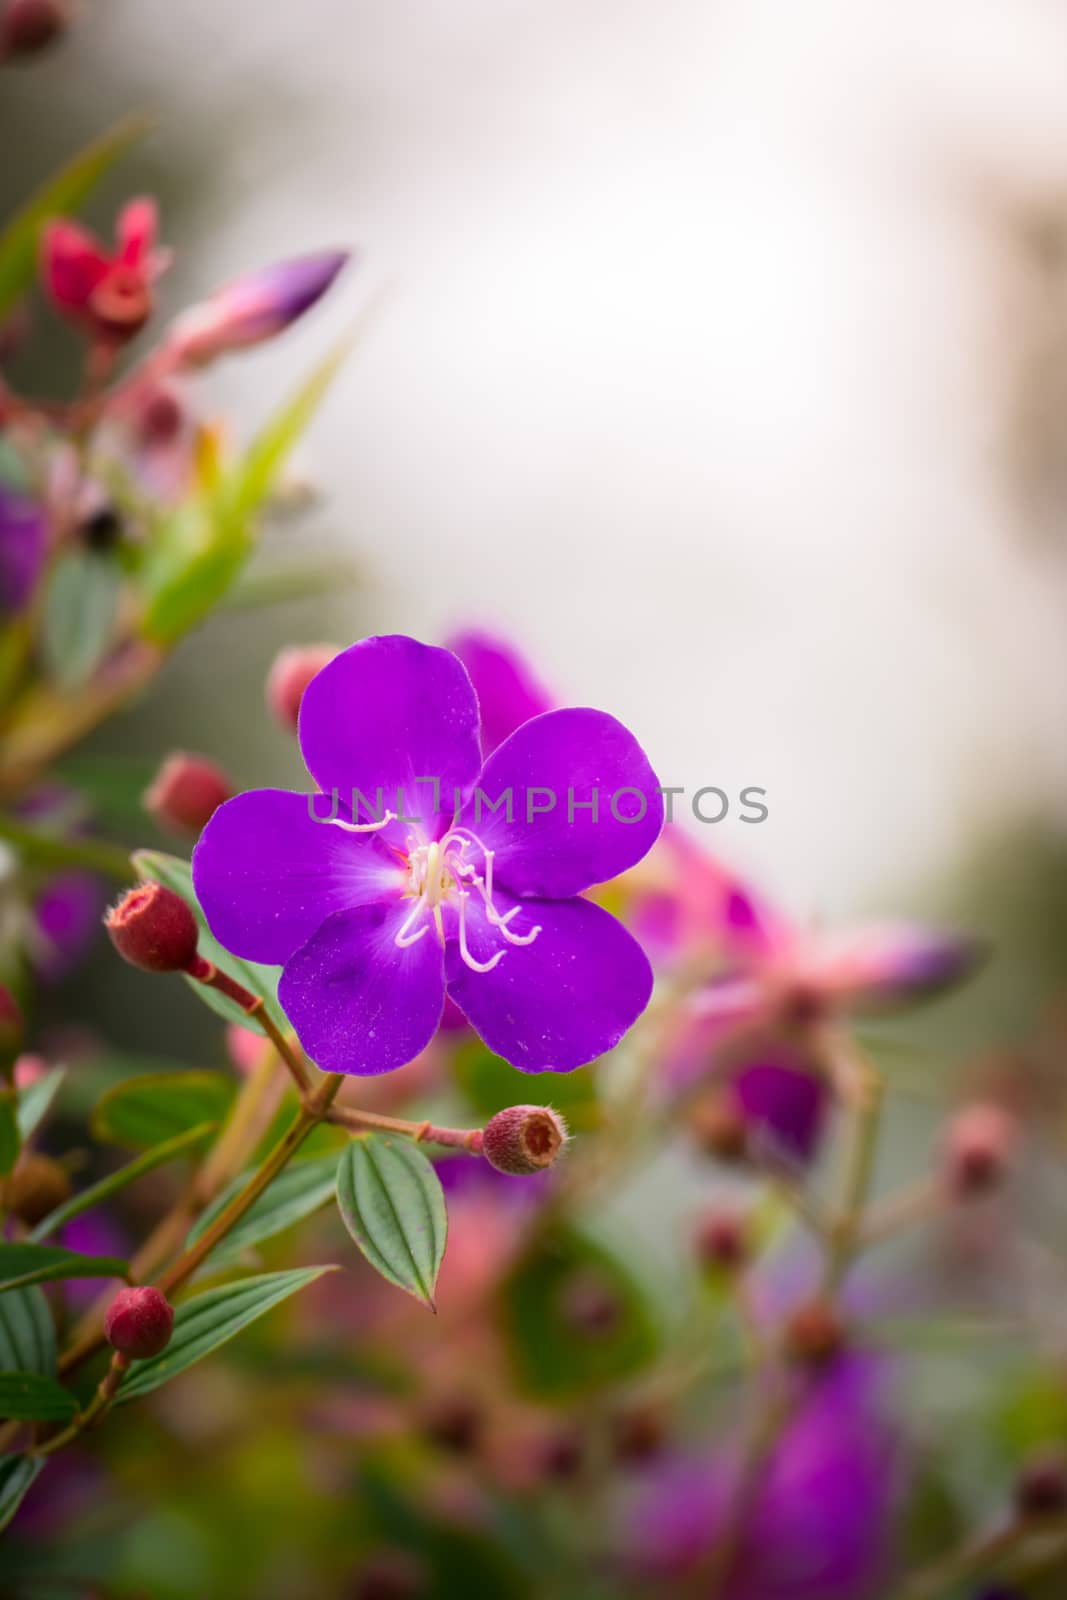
{"x":80,"y":607}
{"x":161,"y":1105}
{"x":112,"y":786}
{"x":10,"y":1140}
{"x":263,"y":981}
{"x":31,"y":1397}
{"x":106,"y":1187}
{"x":488,"y":1082}
{"x":23,"y":1264}
{"x":284,"y":585}
{"x":391,"y":1202}
{"x":35,"y":1102}
{"x":27,"y":1333}
{"x":199,"y":549}
{"x":558,"y":1348}
{"x":203,"y":1324}
{"x":300,"y":1189}
{"x":17,"y":1473}
{"x":62,"y":194}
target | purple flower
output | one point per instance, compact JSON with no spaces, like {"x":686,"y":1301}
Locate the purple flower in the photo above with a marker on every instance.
{"x":820,"y":1526}
{"x":782,"y":1102}
{"x":508,"y":692}
{"x":23,"y":537}
{"x":446,"y":883}
{"x":252,"y":308}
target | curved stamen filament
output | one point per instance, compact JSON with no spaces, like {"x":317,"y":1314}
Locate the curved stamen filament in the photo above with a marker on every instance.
{"x":464,"y":949}
{"x":360,"y":827}
{"x":405,"y":938}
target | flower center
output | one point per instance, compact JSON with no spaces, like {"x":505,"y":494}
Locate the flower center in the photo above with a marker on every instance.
{"x":447,"y":872}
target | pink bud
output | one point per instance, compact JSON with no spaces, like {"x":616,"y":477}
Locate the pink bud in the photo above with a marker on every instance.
{"x":722,"y":1241}
{"x":153,"y":928}
{"x":139,"y":1323}
{"x":28,"y":1070}
{"x":523,"y":1139}
{"x":29,"y":26}
{"x":979,"y":1148}
{"x":186,"y":792}
{"x":244,"y":1046}
{"x":290,"y":675}
{"x":252,"y":308}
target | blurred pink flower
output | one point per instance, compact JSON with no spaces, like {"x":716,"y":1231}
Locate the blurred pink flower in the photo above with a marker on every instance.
{"x":109,"y":295}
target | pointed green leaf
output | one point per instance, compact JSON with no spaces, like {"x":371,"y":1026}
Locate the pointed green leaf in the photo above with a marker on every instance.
{"x":303,"y":1187}
{"x":35,"y":1102}
{"x":31,"y":1397}
{"x":391,"y":1202}
{"x":203,"y":1324}
{"x":62,"y":194}
{"x":80,"y":608}
{"x":262,"y":981}
{"x":27,"y":1332}
{"x":23,"y":1264}
{"x":97,"y":1193}
{"x":17,"y":1473}
{"x":10,"y":1141}
{"x":145,"y":1111}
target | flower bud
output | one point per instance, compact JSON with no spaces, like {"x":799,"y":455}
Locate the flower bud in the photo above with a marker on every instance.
{"x":30,"y":26}
{"x":721,"y":1241}
{"x":523,"y":1139}
{"x":561,"y":1455}
{"x":717,"y":1122}
{"x":36,"y":1187}
{"x":814,"y":1334}
{"x":139,"y":1323}
{"x":979,"y":1148}
{"x":186,"y":792}
{"x":153,"y":928}
{"x":11,"y":1022}
{"x":121,"y":304}
{"x":453,"y":1423}
{"x":1041,"y":1489}
{"x":253,"y":308}
{"x":290,"y":675}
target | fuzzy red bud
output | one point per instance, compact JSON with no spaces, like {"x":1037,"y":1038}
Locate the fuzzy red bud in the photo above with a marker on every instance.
{"x":290,"y":675}
{"x":139,"y":1323}
{"x":722,"y":1241}
{"x":186,"y":792}
{"x":979,"y":1148}
{"x":153,"y":928}
{"x":523,"y":1139}
{"x":29,"y":26}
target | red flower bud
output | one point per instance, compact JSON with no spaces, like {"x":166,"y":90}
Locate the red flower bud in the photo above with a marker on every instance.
{"x":1041,"y":1488}
{"x":979,"y":1148}
{"x":814,"y":1334}
{"x":139,"y":1323}
{"x":153,"y":928}
{"x":721,"y":1241}
{"x":11,"y":1022}
{"x":523,"y":1139}
{"x":186,"y":792}
{"x":290,"y":675}
{"x":30,"y":26}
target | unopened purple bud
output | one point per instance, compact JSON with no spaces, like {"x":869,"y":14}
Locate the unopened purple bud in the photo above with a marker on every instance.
{"x":253,"y":308}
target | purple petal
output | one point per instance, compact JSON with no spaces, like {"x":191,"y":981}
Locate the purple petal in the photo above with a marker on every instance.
{"x":783,"y":1104}
{"x":508,"y":693}
{"x":385,"y":713}
{"x":253,"y":308}
{"x":554,"y":1004}
{"x":67,"y":913}
{"x":358,"y":1002}
{"x":568,"y":763}
{"x":22,"y":548}
{"x":267,"y":875}
{"x":882,"y":967}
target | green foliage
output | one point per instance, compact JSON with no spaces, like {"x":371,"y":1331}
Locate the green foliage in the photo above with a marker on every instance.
{"x":27,"y":1333}
{"x":23,"y":1264}
{"x":97,"y":1193}
{"x":576,"y":1320}
{"x":31,"y":1397}
{"x":80,"y":608}
{"x":488,"y":1082}
{"x":17,"y":1473}
{"x":202,"y":1324}
{"x":262,"y":981}
{"x":10,"y":1138}
{"x":61,"y":195}
{"x":301,"y":1189}
{"x":391,"y":1202}
{"x":146,"y":1111}
{"x":35,"y":1102}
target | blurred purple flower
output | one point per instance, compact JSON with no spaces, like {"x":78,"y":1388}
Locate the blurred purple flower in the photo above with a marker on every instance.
{"x":66,"y":915}
{"x":91,"y":1234}
{"x":253,"y":308}
{"x":783,"y":1103}
{"x":820,"y":1525}
{"x":373,"y":920}
{"x":508,"y":692}
{"x":23,"y":540}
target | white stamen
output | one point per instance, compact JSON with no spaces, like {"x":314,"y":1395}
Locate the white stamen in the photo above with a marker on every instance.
{"x":360,"y":827}
{"x":436,"y":872}
{"x":405,"y":938}
{"x":464,"y":950}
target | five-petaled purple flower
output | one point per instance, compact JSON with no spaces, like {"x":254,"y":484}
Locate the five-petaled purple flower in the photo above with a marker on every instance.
{"x":423,"y":878}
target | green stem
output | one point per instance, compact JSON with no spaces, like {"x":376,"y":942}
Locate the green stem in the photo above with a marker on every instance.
{"x":47,"y":850}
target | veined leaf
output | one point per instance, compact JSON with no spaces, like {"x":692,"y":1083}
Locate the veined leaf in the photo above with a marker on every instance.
{"x":27,"y":1333}
{"x":35,"y":1102}
{"x":17,"y":1473}
{"x":203,"y":1324}
{"x":31,"y":1397}
{"x":303,"y":1187}
{"x":157,"y":1156}
{"x":23,"y":1264}
{"x":145,"y":1111}
{"x":80,"y":607}
{"x":62,"y":194}
{"x":262,"y":981}
{"x":391,"y":1202}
